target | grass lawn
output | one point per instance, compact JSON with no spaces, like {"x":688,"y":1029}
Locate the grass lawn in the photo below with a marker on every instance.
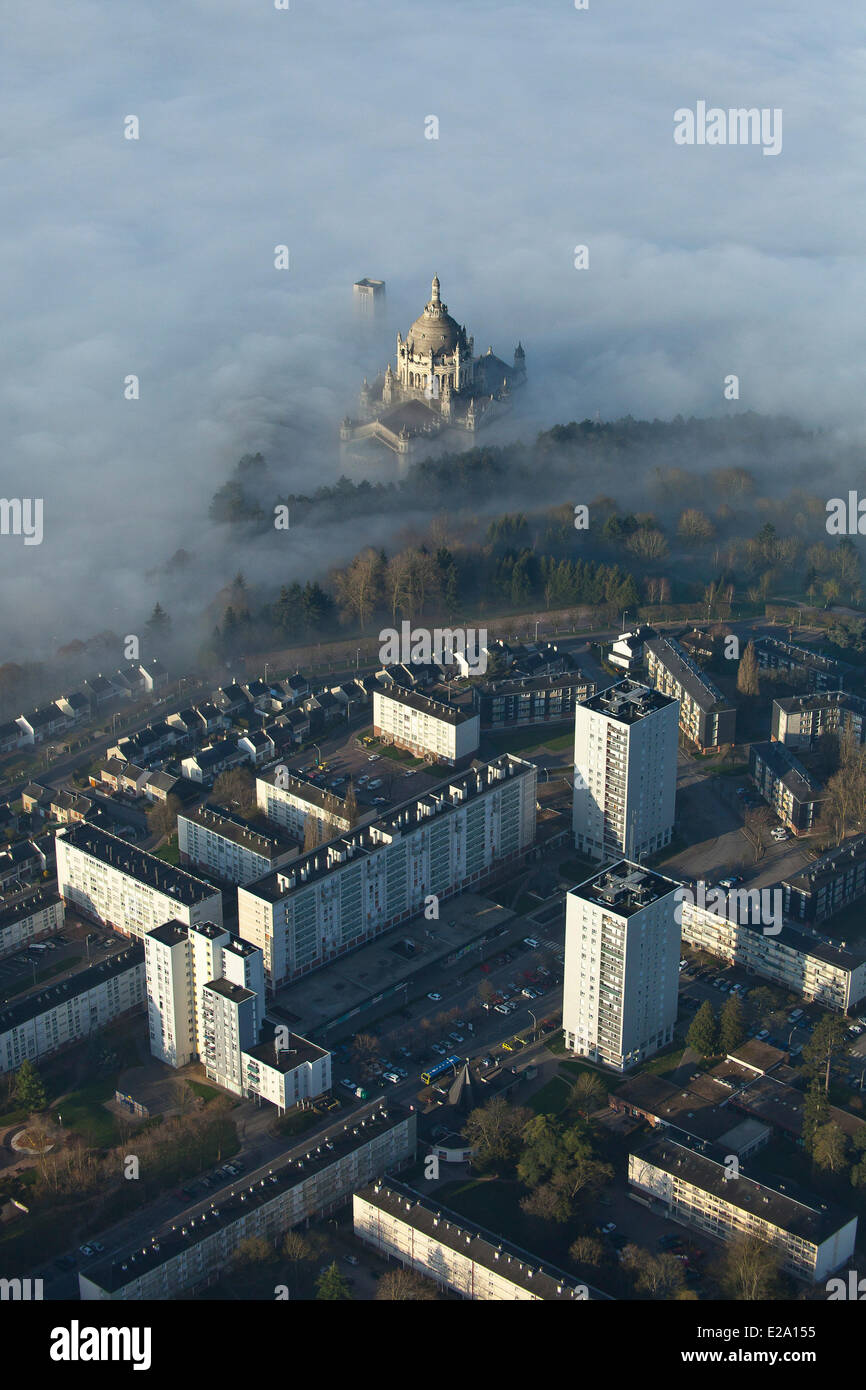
{"x":531,"y":739}
{"x":552,"y":1098}
{"x":556,"y":1043}
{"x":83,"y":1110}
{"x":296,"y":1121}
{"x":207,"y":1093}
{"x":170,"y":852}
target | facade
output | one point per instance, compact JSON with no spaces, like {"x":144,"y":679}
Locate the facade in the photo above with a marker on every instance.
{"x":694,"y":1186}
{"x":229,"y":847}
{"x":706,"y":718}
{"x":400,"y":1224}
{"x":786,"y":786}
{"x":627,"y":652}
{"x":303,"y":1187}
{"x":439,"y":384}
{"x":455,"y":837}
{"x":831,"y":975}
{"x":206,"y":1001}
{"x":821,"y":672}
{"x":801,"y":721}
{"x":828,"y":884}
{"x":431,"y":729}
{"x":111,"y":881}
{"x":41,"y":1024}
{"x":38,"y":915}
{"x":625,"y":772}
{"x":517,"y":704}
{"x":622,"y":951}
{"x":291,"y":803}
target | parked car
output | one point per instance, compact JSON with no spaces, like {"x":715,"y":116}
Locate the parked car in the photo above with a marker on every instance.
{"x":434,"y":996}
{"x":609,"y":1228}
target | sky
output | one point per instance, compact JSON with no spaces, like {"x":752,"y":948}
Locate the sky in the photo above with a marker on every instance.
{"x":306,"y":127}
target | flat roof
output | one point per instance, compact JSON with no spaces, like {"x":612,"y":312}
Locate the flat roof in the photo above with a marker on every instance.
{"x":298,"y":1051}
{"x":115,"y":1272}
{"x":424,"y":704}
{"x":800,"y":1214}
{"x":527,"y":684}
{"x":627,"y":701}
{"x":138,"y":864}
{"x":169,"y":933}
{"x":236,"y":994}
{"x":828,"y":866}
{"x":13,"y":1015}
{"x":821,"y":699}
{"x":26,"y":907}
{"x":473,"y":1241}
{"x":368,"y":838}
{"x":258,"y":839}
{"x":624,"y":888}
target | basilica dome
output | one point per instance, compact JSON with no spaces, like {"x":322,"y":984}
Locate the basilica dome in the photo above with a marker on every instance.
{"x":434,"y":330}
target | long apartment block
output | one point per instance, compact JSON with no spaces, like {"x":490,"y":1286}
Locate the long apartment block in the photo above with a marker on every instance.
{"x":707,"y":719}
{"x":229,"y":847}
{"x":41,"y":1024}
{"x":24,"y":921}
{"x":831,"y":975}
{"x":693,"y":1183}
{"x":828,"y":884}
{"x":197,"y":1252}
{"x":112,"y":882}
{"x":292,"y":803}
{"x":625,"y":772}
{"x":401,"y":1224}
{"x":455,"y":837}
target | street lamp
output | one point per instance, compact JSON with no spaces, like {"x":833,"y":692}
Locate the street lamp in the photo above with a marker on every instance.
{"x":624,"y":612}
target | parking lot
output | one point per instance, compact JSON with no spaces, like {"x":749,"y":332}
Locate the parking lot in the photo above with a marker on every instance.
{"x":55,"y":958}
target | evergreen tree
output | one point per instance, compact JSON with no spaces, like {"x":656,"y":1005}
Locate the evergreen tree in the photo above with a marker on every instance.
{"x":703,"y":1032}
{"x":331,"y":1286}
{"x":29,"y":1090}
{"x":732,"y":1029}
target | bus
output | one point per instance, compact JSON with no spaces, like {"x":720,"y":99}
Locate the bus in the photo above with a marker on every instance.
{"x":428,"y":1076}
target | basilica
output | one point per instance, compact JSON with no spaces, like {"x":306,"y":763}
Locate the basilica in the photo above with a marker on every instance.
{"x":439,"y":386}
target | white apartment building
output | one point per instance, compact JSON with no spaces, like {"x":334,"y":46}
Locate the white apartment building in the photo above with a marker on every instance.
{"x":111,"y":881}
{"x":290,"y":803}
{"x":812,"y":1237}
{"x":27,"y":920}
{"x":64,"y":1013}
{"x":625,"y":771}
{"x":341,"y":895}
{"x":622,"y":952}
{"x":295,"y":1190}
{"x":800,"y":960}
{"x":205,"y":999}
{"x":398,"y":1223}
{"x":431,"y":729}
{"x":229,"y":847}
